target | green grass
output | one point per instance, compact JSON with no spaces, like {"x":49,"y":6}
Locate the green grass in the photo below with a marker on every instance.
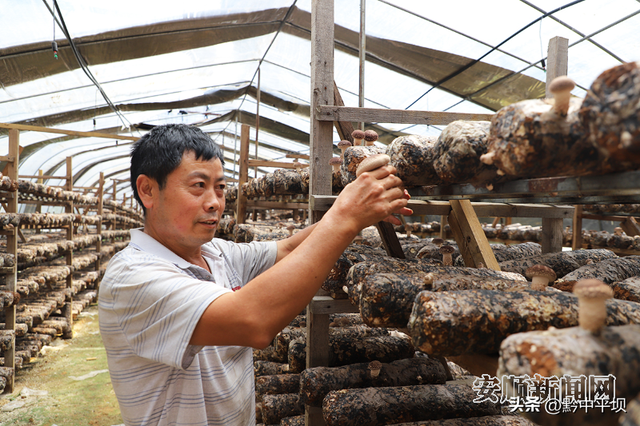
{"x":68,"y":402}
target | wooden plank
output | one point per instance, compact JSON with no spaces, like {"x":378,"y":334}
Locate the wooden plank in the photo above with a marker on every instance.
{"x":66,"y":132}
{"x":630,"y":226}
{"x":375,"y":115}
{"x":576,"y":240}
{"x":390,"y":240}
{"x":276,"y":164}
{"x":299,"y":156}
{"x":325,"y":305}
{"x":470,"y":237}
{"x":482,"y":209}
{"x":551,"y":241}
{"x":344,"y":128}
{"x":278,"y":205}
{"x":557,"y":60}
{"x":243,"y":176}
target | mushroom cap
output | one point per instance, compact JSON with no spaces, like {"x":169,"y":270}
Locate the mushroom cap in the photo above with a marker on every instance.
{"x":447,"y":249}
{"x":357,"y":134}
{"x":375,"y":365}
{"x":291,"y":227}
{"x":540,"y":271}
{"x":592,"y":288}
{"x":437,"y":241}
{"x":561,"y":84}
{"x":370,"y":136}
{"x":335,"y":160}
{"x":371,"y":163}
{"x":344,"y":143}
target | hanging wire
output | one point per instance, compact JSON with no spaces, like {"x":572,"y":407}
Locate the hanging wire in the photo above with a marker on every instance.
{"x":83,"y":65}
{"x":475,"y":61}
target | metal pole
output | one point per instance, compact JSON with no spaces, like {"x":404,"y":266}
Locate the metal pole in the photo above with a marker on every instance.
{"x":255,"y":169}
{"x":363,"y":50}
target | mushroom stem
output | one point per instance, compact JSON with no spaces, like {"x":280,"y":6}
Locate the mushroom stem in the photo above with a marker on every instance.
{"x":539,"y":283}
{"x":447,"y":259}
{"x":592,"y":314}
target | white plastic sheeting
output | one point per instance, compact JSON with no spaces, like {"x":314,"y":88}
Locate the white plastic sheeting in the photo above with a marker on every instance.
{"x":156,"y":60}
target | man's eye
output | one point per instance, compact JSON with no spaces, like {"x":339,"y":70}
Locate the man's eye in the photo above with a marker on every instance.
{"x":200,"y":184}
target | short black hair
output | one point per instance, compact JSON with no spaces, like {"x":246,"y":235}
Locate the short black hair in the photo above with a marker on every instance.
{"x":159,"y":152}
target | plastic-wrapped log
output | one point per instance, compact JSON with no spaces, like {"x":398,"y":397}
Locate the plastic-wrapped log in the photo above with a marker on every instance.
{"x":269,"y":368}
{"x":290,"y":182}
{"x":529,"y":139}
{"x":6,"y":339}
{"x":628,"y":289}
{"x":383,"y":406}
{"x":277,"y":384}
{"x":317,"y":382}
{"x":337,"y":277}
{"x":413,"y":157}
{"x":352,"y":157}
{"x":477,"y":321}
{"x":500,"y":420}
{"x":562,"y":262}
{"x":608,"y":271}
{"x":458,"y":151}
{"x":504,"y":253}
{"x":293,"y":421}
{"x":386,"y":299}
{"x":343,"y":351}
{"x":245,"y":233}
{"x":611,"y":113}
{"x":276,"y":407}
{"x":575,"y":352}
{"x":8,"y":298}
{"x":359,"y":272}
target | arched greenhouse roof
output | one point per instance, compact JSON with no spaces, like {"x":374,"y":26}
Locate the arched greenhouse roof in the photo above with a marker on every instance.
{"x":125,"y":66}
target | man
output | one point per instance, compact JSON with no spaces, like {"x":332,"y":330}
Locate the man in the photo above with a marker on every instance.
{"x":180,"y":310}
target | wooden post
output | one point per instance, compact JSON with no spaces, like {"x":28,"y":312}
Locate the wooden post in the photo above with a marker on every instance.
{"x":320,"y":176}
{"x":321,"y":132}
{"x":557,"y":60}
{"x":68,"y":305}
{"x":11,"y":279}
{"x":443,"y":222}
{"x":472,"y":241}
{"x":576,"y":240}
{"x":100,"y":212}
{"x":551,"y":235}
{"x":243,"y":164}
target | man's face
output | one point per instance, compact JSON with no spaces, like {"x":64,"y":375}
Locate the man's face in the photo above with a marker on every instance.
{"x":186,"y":211}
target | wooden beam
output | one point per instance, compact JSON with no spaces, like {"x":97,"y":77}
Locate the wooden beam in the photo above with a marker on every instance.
{"x":66,"y":132}
{"x":376,"y":115}
{"x":471,"y":239}
{"x":276,"y":164}
{"x":557,"y":60}
{"x":344,"y":128}
{"x":630,"y":226}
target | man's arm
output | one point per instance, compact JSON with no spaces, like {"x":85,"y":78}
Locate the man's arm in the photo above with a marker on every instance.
{"x":287,"y":245}
{"x":253,"y":315}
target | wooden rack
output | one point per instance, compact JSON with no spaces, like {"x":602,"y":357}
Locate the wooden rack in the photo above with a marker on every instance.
{"x":89,"y":207}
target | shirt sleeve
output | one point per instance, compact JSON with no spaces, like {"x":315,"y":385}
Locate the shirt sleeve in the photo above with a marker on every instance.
{"x":249,"y":259}
{"x":155,"y":307}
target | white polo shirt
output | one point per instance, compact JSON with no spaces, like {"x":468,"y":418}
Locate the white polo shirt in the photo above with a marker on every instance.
{"x":150,"y":301}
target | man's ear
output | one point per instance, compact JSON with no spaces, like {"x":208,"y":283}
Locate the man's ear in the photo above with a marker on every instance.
{"x":147,"y":190}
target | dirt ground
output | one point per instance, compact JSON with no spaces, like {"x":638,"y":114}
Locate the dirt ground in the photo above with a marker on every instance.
{"x":67,"y":385}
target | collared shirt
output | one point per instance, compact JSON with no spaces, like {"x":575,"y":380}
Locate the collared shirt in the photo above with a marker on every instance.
{"x":149,"y":304}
